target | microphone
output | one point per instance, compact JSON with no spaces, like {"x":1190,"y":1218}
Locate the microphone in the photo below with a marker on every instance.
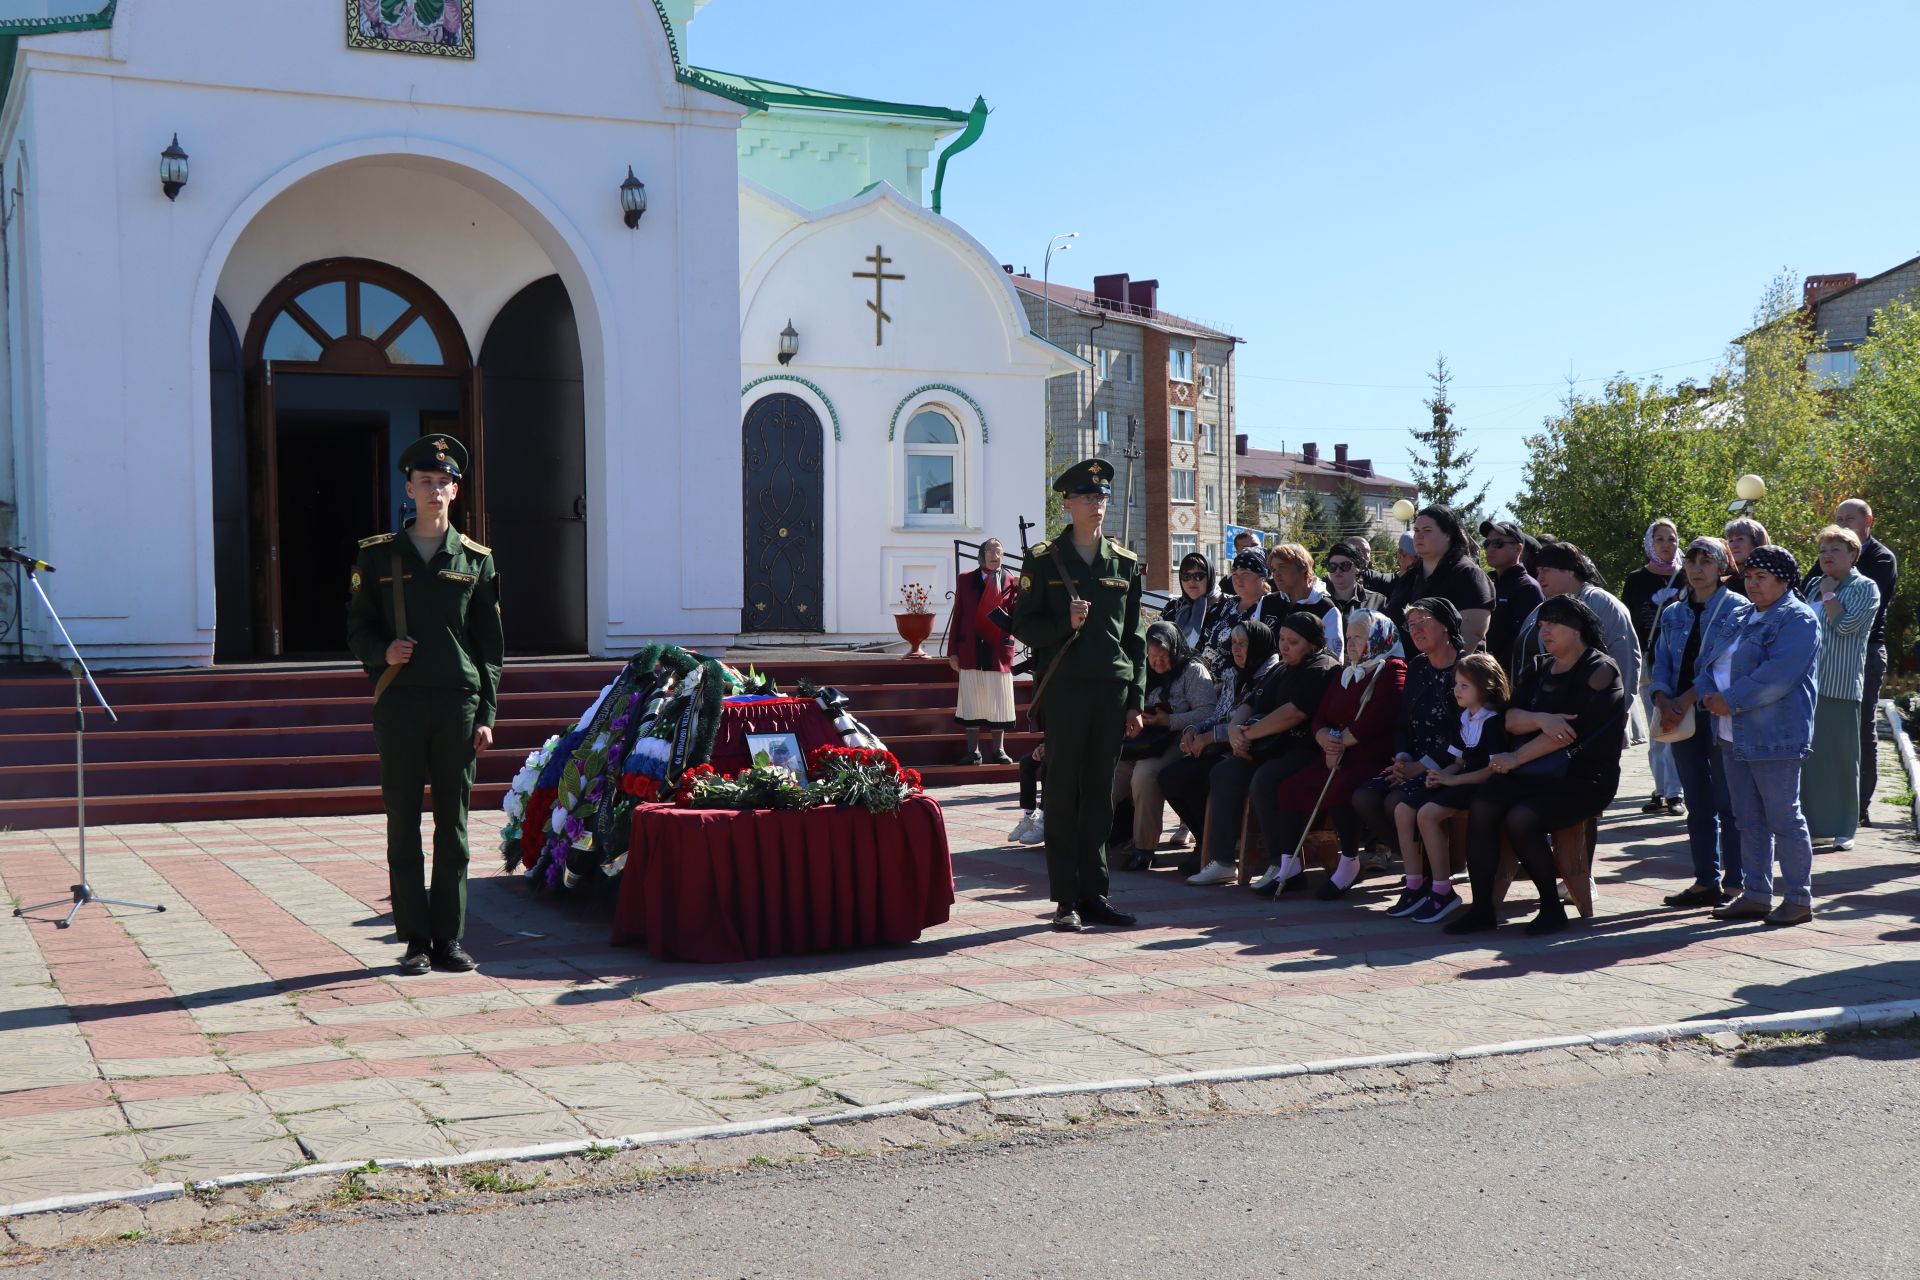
{"x":18,"y":556}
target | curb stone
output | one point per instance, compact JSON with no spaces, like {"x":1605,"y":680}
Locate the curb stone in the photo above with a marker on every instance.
{"x":169,"y":1210}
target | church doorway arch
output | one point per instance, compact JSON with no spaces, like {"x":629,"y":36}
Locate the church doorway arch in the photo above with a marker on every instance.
{"x":783,"y":512}
{"x":536,"y":421}
{"x":347,"y":362}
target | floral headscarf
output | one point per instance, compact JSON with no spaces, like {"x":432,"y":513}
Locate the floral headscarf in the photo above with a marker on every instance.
{"x":1383,"y":642}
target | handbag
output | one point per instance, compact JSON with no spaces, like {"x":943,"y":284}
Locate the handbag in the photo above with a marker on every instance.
{"x":1149,"y":744}
{"x":1680,"y":732}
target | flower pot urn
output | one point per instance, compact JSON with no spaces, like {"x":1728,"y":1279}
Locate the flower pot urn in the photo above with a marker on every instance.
{"x":914,"y":628}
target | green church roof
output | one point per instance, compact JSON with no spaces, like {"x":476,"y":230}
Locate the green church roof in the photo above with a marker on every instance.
{"x":60,"y":15}
{"x":763,"y":94}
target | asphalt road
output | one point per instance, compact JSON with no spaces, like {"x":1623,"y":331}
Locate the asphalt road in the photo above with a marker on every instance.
{"x":1788,"y":1165}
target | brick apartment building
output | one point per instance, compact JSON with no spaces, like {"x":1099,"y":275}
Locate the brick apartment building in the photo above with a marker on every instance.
{"x":1157,"y":403}
{"x":1272,"y":478}
{"x":1840,"y":307}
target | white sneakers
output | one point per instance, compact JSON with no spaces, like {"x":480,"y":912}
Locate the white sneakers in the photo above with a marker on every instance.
{"x":1031,"y":829}
{"x":1181,"y":836}
{"x":1215,"y":873}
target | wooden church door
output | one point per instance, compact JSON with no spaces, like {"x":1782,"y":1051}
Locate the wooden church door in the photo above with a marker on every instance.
{"x":782,"y":508}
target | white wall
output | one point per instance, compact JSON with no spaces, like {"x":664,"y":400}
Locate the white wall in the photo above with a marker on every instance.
{"x":955,"y":321}
{"x":113,"y":283}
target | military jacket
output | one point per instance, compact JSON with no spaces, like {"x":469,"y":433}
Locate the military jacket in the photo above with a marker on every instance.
{"x":1113,"y":643}
{"x":453,"y":615}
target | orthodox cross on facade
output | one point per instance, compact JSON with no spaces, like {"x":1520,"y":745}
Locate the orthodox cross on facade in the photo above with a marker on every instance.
{"x":879,"y":275}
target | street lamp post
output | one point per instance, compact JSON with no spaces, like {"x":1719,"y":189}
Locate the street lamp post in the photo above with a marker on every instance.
{"x":1046,"y":278}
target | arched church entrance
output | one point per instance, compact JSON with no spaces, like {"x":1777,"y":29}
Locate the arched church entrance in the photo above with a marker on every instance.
{"x":782,"y":508}
{"x":535,"y":411}
{"x":347,"y":362}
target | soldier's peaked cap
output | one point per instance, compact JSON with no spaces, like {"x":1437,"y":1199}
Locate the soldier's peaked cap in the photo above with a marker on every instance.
{"x":1094,"y":475}
{"x":434,"y":453}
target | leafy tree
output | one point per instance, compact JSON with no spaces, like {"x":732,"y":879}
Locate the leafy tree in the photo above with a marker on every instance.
{"x":1442,"y":470}
{"x":1315,"y":529}
{"x":1881,"y":417}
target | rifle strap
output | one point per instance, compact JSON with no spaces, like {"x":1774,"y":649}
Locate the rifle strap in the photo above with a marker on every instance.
{"x":392,"y":673}
{"x":1066,"y":580}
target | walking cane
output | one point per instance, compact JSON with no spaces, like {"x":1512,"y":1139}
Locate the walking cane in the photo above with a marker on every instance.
{"x":1313,"y":815}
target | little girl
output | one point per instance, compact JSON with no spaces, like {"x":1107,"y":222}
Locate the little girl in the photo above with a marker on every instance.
{"x":1480,"y":687}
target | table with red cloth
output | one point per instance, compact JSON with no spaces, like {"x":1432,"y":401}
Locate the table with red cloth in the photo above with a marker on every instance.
{"x":720,"y":885}
{"x":801,"y":717}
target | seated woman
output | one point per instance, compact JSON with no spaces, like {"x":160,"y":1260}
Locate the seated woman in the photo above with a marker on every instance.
{"x":1250,"y":598}
{"x":1271,"y":745}
{"x":1179,"y":693}
{"x":1198,"y":605}
{"x":1479,"y":733}
{"x":1353,"y":729}
{"x":1386,"y":804}
{"x":1569,"y":716}
{"x":1186,"y":780}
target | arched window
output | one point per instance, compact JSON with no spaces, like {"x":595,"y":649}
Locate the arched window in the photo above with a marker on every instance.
{"x":934,"y":470}
{"x":351,"y":316}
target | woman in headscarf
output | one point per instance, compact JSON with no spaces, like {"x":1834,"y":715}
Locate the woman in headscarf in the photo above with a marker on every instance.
{"x":1269,"y":743}
{"x":1646,"y":593}
{"x":1565,"y":570}
{"x":1206,"y":748}
{"x":1197,"y":604}
{"x":1568,"y":721}
{"x":1251,"y":597}
{"x":1421,"y":732}
{"x":1353,"y":729}
{"x":1179,"y":693}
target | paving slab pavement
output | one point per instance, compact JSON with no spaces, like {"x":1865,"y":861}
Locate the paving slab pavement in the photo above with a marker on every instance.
{"x":257,"y":1026}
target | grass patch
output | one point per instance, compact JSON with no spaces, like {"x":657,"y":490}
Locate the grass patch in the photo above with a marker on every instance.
{"x":1902,"y":799}
{"x":489,"y":1178}
{"x":353,"y":1184}
{"x":598,"y":1151}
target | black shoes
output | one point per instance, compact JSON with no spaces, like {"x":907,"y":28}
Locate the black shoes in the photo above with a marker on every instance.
{"x":1696,"y":895}
{"x":1552,"y":919}
{"x":999,"y":757}
{"x":1475,"y":919}
{"x":968,"y":757}
{"x":1067,"y":920}
{"x":417,"y":960}
{"x":1137,"y":859}
{"x":1275,"y":887}
{"x":1100,"y":911}
{"x":451,"y":957}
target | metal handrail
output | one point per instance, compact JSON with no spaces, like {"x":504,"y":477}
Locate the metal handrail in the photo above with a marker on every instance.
{"x":13,"y":613}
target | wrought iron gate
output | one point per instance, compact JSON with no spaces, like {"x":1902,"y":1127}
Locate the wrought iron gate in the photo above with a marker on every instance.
{"x":784,"y":498}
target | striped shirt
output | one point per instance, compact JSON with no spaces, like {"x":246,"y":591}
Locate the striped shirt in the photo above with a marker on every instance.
{"x":1843,"y":640}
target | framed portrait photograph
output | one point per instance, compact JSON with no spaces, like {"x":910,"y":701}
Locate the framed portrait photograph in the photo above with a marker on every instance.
{"x":442,"y":27}
{"x":782,"y":749}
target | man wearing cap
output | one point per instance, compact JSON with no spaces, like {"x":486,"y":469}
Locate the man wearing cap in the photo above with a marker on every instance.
{"x":424,"y":620}
{"x":1516,"y":593}
{"x":1079,"y":611}
{"x":1371,"y":578}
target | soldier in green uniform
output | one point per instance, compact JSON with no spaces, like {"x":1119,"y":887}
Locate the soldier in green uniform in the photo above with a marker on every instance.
{"x":1079,"y":611}
{"x":424,"y":620}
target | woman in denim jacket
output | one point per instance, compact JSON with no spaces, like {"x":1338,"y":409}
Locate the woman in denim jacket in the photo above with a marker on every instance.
{"x":1756,"y":676}
{"x":1679,"y":638}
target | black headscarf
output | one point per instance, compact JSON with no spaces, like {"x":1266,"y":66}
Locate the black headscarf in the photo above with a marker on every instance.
{"x":1168,"y":637}
{"x":1444,"y":612}
{"x":1568,"y":558}
{"x":1306,"y":626}
{"x":1569,"y":611}
{"x":1188,"y":561}
{"x":1260,"y":645}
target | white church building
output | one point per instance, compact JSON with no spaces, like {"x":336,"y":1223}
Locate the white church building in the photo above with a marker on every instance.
{"x":723,"y":374}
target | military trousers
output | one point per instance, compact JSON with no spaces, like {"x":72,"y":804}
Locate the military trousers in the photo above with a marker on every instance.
{"x":425,"y":738}
{"x":1085,"y":721}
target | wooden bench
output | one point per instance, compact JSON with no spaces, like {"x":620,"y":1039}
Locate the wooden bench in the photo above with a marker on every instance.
{"x":1573,"y":853}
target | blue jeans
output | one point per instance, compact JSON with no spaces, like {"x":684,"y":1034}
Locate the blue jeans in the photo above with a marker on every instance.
{"x":1766,"y":799}
{"x":1666,"y":773}
{"x":1713,"y":837}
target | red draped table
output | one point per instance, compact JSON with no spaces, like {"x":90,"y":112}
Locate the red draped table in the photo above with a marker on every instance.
{"x":719,"y":885}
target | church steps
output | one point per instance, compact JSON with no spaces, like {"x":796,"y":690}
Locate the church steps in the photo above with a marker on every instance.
{"x":297,"y":740}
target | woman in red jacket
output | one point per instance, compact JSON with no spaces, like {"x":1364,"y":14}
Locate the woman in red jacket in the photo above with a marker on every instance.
{"x":1353,"y":728}
{"x":980,"y":648}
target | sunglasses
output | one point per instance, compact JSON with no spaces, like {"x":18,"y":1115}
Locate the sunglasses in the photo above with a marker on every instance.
{"x":1193,"y":577}
{"x":1340,"y":566}
{"x":1494,"y":544}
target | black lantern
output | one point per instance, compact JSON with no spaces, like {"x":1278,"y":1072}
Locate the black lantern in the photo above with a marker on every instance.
{"x":633,"y":199}
{"x":789,"y":343}
{"x":173,"y":168}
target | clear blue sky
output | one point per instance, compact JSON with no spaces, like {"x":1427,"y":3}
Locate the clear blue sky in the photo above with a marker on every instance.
{"x":1534,"y":189}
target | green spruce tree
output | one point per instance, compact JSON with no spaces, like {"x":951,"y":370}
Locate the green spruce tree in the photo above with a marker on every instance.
{"x":1442,"y":470}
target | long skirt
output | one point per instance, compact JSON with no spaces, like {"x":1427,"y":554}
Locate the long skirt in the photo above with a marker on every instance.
{"x":1830,"y":782}
{"x":986,"y":698}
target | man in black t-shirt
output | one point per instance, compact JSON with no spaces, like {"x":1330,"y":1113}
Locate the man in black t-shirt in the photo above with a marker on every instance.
{"x":1516,"y":592}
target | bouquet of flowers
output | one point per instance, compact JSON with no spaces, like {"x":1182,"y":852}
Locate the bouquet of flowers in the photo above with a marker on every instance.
{"x":867,"y":777}
{"x":766,"y":786}
{"x":915,"y":597}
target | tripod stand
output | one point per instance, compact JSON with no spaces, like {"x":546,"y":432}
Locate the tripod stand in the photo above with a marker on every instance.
{"x":83,"y":892}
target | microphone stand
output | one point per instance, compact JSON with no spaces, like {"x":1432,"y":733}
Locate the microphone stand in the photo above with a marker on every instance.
{"x":83,"y":892}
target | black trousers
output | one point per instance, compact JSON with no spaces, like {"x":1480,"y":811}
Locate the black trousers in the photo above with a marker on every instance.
{"x":1186,"y":783}
{"x":1870,"y":726}
{"x":1527,"y":810}
{"x":1032,"y":772}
